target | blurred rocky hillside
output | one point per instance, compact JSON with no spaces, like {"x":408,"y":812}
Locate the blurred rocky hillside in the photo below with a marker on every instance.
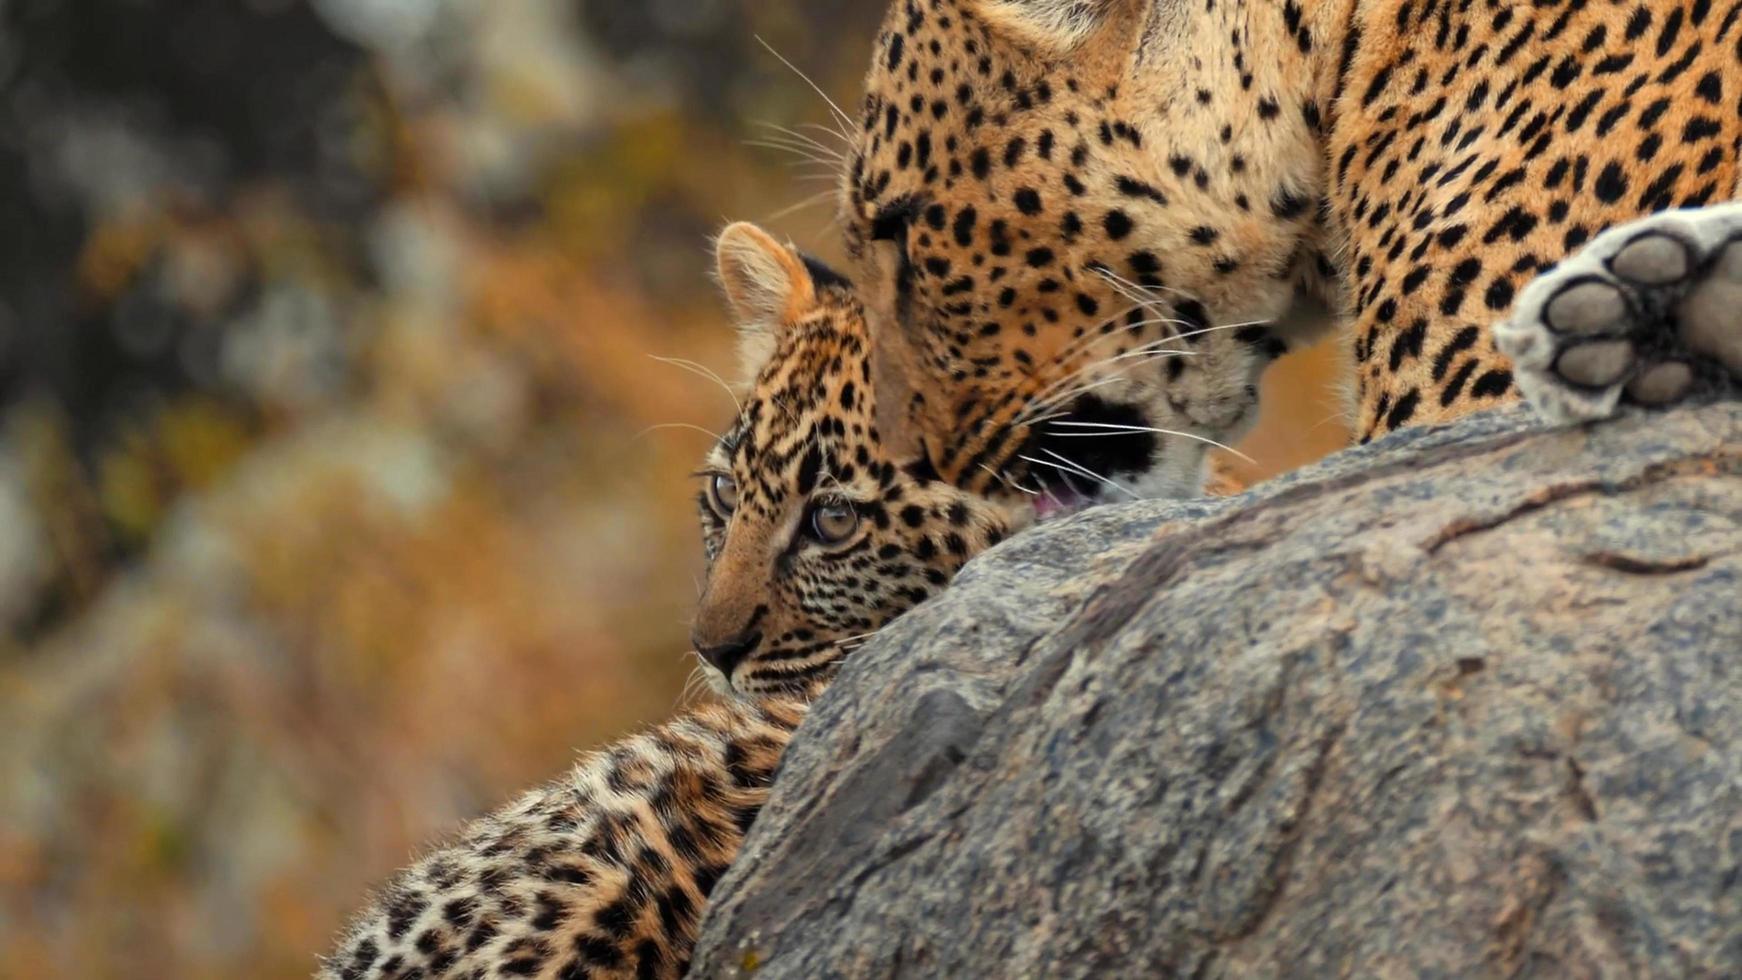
{"x":340,"y":491}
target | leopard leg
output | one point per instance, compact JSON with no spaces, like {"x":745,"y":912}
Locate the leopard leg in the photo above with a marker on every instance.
{"x":1649,"y":313}
{"x":1475,"y":150}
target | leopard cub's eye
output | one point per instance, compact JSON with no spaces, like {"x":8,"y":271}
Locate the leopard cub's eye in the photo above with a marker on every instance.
{"x":724,"y":491}
{"x":834,"y":521}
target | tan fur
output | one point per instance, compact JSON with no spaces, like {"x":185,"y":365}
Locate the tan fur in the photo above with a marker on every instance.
{"x":898,"y":372}
{"x":1058,"y":26}
{"x":1224,"y":155}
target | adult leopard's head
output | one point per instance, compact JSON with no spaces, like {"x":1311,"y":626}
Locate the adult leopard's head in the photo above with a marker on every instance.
{"x":1078,"y":228}
{"x":818,"y":526}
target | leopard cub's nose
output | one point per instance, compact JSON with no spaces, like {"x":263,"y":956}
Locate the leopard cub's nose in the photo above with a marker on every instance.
{"x":728,"y":654}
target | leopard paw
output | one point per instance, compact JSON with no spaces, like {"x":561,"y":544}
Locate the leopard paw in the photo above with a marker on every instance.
{"x":1647,"y":313}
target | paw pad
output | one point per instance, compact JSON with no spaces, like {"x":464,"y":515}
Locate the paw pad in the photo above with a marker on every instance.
{"x":1649,"y":312}
{"x":1661,"y":384}
{"x":1596,"y":364}
{"x":1710,"y":313}
{"x":1653,"y":259}
{"x":1590,"y":306}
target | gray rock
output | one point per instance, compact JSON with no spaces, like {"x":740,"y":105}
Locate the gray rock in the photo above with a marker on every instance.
{"x":1467,"y":702}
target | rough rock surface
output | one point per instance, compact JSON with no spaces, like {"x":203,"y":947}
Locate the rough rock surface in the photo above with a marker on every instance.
{"x":1467,"y":702}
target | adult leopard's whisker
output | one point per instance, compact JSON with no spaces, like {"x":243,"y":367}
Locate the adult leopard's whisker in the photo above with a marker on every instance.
{"x":1048,"y":494}
{"x":806,"y":138}
{"x":1152,"y":354}
{"x":805,"y":151}
{"x":1007,"y":481}
{"x":781,"y":140}
{"x":1130,"y":291}
{"x":1204,"y":330}
{"x":812,"y":201}
{"x":1146,"y":354}
{"x":1149,"y":348}
{"x":1092,"y":337}
{"x":704,"y":371}
{"x":1059,"y":399}
{"x":825,"y":130}
{"x":1046,"y":418}
{"x":680,"y":425}
{"x":845,"y":120}
{"x":1091,"y":474}
{"x":1149,"y":291}
{"x":805,"y":156}
{"x":1074,"y":470}
{"x":1146,"y":428}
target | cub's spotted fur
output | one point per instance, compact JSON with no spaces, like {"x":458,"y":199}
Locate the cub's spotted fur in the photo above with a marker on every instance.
{"x":818,"y":531}
{"x":601,"y":874}
{"x":1078,"y":213}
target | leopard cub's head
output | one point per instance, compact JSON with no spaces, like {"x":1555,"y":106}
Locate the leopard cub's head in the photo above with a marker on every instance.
{"x":818,"y":524}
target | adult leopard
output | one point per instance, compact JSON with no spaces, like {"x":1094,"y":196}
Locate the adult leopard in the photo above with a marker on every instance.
{"x":1080,"y":216}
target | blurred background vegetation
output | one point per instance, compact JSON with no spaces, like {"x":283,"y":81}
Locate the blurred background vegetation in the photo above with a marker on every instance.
{"x":330,"y":508}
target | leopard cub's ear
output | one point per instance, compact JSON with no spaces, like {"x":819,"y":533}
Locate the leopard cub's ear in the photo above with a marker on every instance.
{"x":1051,"y":25}
{"x":767,"y":285}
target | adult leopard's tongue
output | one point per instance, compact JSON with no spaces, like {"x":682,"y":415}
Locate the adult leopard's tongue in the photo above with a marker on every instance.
{"x":1075,"y":454}
{"x":1056,"y":502}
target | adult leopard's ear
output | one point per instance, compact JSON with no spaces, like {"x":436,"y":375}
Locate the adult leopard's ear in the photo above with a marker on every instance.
{"x":767,"y":285}
{"x":1052,"y":25}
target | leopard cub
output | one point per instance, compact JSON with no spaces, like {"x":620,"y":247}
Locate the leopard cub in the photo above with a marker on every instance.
{"x":820,"y":526}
